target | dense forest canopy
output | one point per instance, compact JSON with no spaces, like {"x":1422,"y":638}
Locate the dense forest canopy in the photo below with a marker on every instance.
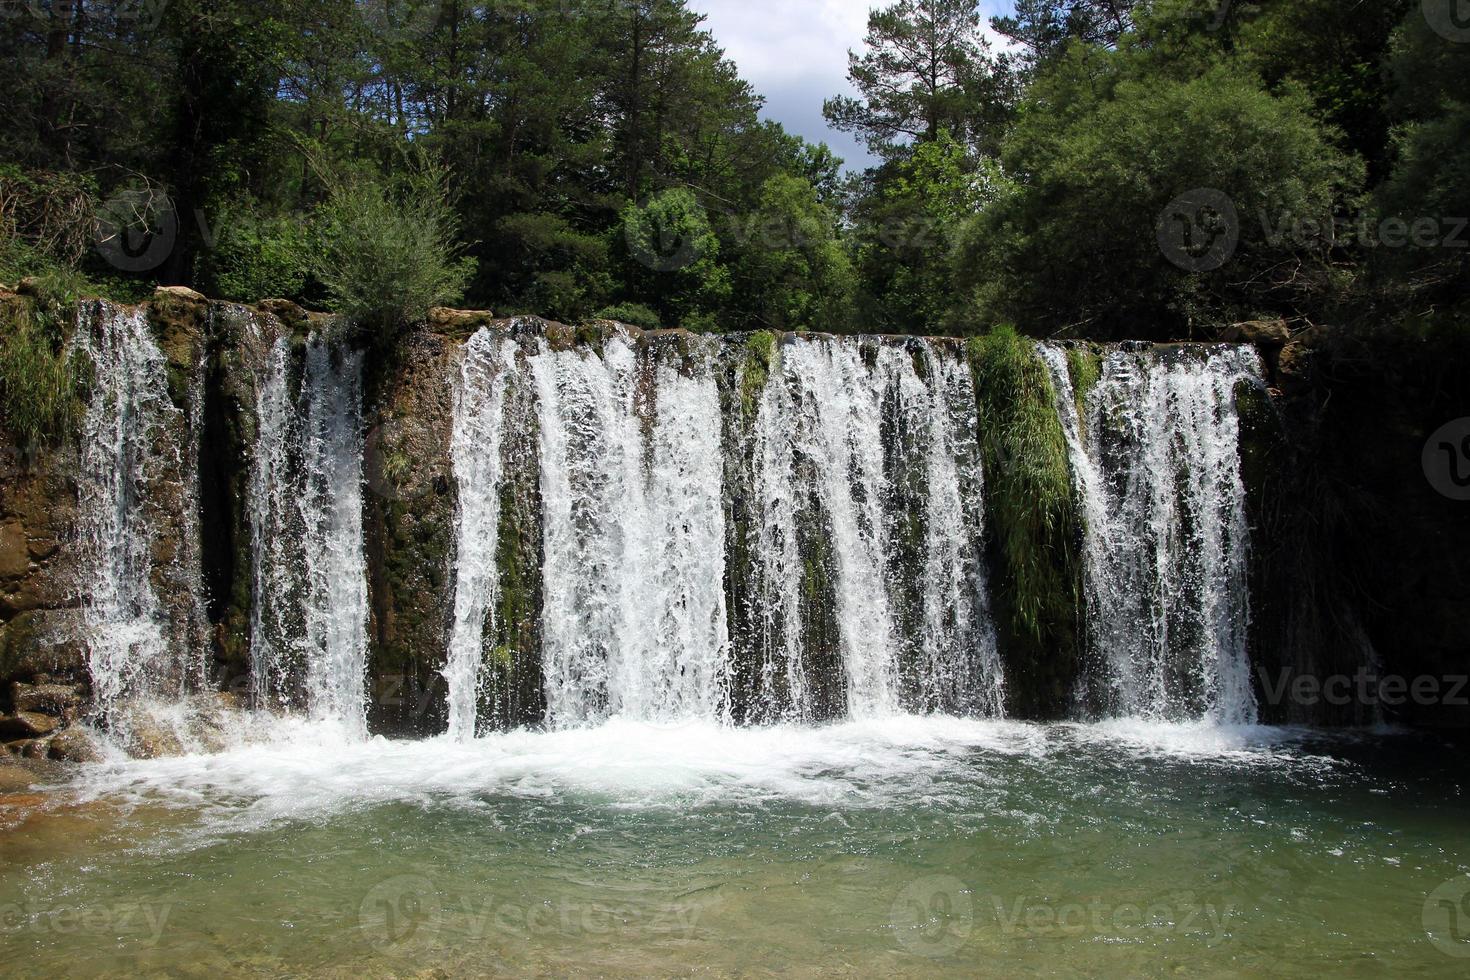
{"x":1151,"y":168}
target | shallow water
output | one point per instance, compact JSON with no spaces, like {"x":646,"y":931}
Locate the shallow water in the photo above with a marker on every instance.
{"x":912,"y":847}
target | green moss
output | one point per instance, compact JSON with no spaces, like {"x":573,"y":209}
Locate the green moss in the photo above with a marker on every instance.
{"x":760,"y":357}
{"x":41,"y":382}
{"x":1033,"y":519}
{"x":1085,"y":366}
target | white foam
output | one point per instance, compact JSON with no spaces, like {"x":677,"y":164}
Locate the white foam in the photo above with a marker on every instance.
{"x":314,"y":771}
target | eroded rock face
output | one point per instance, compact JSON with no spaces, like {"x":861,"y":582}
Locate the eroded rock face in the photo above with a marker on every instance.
{"x":409,"y":526}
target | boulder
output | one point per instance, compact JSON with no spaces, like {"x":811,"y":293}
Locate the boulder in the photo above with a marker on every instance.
{"x":75,"y":745}
{"x":42,"y":641}
{"x":52,"y":699}
{"x":1262,"y":333}
{"x":27,"y":724}
{"x":458,"y":323}
{"x":181,"y":292}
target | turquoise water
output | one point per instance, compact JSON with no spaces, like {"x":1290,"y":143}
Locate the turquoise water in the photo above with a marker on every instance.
{"x":910,"y":847}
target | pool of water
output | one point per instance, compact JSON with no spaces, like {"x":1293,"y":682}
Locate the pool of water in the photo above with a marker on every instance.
{"x":907,"y":847}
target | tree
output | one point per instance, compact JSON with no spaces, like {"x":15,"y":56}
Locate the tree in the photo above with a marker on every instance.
{"x":1116,"y":224}
{"x":927,"y":68}
{"x":906,"y":228}
{"x":672,"y":260}
{"x":1044,"y":27}
{"x":793,"y":271}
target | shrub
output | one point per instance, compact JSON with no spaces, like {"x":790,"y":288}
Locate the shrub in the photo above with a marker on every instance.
{"x":256,"y":256}
{"x":38,"y":375}
{"x":387,"y":254}
{"x":634,"y":314}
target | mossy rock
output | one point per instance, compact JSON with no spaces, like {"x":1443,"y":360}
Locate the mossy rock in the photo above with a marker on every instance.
{"x":1034,"y":525}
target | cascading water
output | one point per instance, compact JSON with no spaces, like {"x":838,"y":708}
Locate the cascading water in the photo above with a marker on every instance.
{"x":138,"y":489}
{"x":479,"y":419}
{"x":1157,"y":465}
{"x":309,"y":614}
{"x":331,"y":507}
{"x":884,"y":464}
{"x":634,"y":620}
{"x":277,"y":627}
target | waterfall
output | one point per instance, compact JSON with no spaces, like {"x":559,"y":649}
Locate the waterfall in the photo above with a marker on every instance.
{"x":331,"y":508}
{"x":880,"y":464}
{"x":138,"y":498}
{"x":1155,"y":452}
{"x":277,"y":628}
{"x":634,"y":620}
{"x":309,"y":614}
{"x":479,"y":418}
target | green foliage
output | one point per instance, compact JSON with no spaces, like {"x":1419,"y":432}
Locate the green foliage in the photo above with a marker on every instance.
{"x":1028,"y":477}
{"x":389,"y":254}
{"x":1085,"y":367}
{"x":905,"y":233}
{"x":760,"y":357}
{"x":256,"y":255}
{"x":1081,"y":239}
{"x":39,"y":377}
{"x":792,"y":267}
{"x":672,"y":255}
{"x":633,"y":314}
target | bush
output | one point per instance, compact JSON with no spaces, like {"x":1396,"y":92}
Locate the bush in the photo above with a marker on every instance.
{"x":388,"y":254}
{"x":1081,"y":242}
{"x":38,"y":375}
{"x":256,"y":256}
{"x":633,"y":314}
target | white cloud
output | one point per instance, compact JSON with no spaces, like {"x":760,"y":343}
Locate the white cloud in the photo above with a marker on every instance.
{"x":795,"y":54}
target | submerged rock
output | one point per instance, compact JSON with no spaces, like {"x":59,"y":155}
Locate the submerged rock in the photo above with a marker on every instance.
{"x":28,"y":724}
{"x":75,"y":745}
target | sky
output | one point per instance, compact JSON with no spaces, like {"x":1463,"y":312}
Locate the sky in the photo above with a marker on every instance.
{"x":795,"y":54}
